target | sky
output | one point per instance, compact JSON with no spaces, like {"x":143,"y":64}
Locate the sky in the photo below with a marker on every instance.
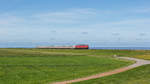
{"x":103,"y":23}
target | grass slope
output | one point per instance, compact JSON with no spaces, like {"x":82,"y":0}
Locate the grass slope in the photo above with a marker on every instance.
{"x":140,"y":75}
{"x":40,"y":66}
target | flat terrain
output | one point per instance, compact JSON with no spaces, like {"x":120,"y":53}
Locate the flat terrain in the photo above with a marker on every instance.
{"x":142,"y":54}
{"x":140,"y":75}
{"x":41,"y":66}
{"x":138,"y":63}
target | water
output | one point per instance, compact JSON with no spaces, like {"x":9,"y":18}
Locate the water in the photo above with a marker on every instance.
{"x":35,"y":44}
{"x":122,"y":48}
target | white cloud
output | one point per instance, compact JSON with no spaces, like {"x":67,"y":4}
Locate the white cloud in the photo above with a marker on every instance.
{"x":7,"y":20}
{"x":142,"y":10}
{"x":72,"y":17}
{"x":68,"y":16}
{"x":42,"y":20}
{"x":128,"y":23}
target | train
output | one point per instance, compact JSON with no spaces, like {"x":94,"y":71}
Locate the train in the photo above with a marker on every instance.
{"x":65,"y":47}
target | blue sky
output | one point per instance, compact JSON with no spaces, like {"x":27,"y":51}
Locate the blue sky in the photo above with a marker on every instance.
{"x":94,"y":22}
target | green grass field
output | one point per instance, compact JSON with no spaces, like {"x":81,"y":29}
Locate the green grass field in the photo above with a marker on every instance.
{"x":41,"y":66}
{"x":142,"y":54}
{"x":140,"y":75}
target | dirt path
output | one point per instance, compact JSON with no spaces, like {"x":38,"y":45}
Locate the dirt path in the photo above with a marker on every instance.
{"x":139,"y":62}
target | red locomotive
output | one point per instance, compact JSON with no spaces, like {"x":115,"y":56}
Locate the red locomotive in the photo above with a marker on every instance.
{"x":81,"y":46}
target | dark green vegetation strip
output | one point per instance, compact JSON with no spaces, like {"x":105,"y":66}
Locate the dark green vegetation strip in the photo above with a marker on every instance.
{"x":41,"y":66}
{"x":143,"y":54}
{"x":140,"y":75}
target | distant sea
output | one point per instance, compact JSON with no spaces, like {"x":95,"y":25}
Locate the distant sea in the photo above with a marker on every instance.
{"x":122,"y":48}
{"x":33,"y":45}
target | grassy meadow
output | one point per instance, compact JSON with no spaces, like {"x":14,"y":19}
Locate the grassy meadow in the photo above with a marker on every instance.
{"x":140,"y":75}
{"x":42,"y":66}
{"x":142,"y":54}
